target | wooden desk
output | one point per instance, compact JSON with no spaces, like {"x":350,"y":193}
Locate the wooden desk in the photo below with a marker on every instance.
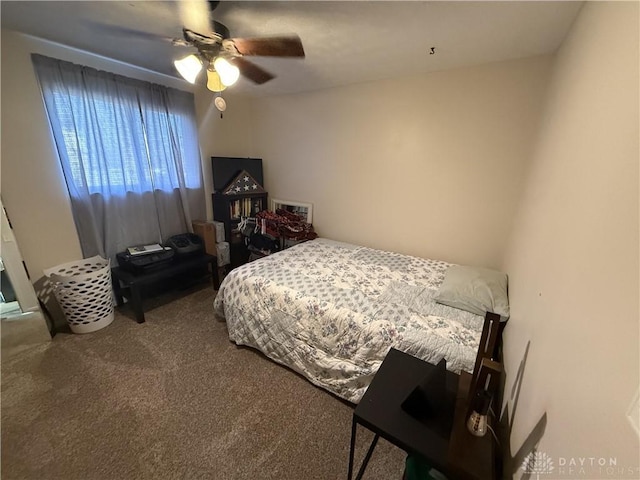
{"x":450,"y":448}
{"x":130,"y":285}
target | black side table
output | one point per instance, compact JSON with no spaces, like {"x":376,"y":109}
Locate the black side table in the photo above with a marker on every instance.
{"x":129,"y":285}
{"x":446,"y":446}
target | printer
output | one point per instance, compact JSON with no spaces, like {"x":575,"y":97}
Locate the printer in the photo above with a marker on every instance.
{"x":138,"y":260}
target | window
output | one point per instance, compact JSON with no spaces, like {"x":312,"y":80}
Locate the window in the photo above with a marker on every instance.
{"x":121,"y":170}
{"x":130,"y":155}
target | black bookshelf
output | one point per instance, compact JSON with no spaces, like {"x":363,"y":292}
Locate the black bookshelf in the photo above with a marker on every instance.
{"x":230,"y":209}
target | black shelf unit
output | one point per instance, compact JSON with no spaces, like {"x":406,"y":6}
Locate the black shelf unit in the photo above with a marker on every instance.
{"x":230,"y":209}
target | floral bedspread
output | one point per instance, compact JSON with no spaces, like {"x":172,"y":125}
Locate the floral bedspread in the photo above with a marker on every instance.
{"x":331,"y":311}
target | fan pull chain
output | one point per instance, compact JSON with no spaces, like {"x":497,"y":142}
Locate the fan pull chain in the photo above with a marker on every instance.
{"x":220,"y":104}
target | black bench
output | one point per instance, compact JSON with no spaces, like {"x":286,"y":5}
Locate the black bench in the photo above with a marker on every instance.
{"x":130,"y":285}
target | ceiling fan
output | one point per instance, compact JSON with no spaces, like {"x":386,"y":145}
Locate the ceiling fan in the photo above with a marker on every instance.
{"x":223,"y":57}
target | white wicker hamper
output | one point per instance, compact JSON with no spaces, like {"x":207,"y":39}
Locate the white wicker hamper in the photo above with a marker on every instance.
{"x":83,"y":290}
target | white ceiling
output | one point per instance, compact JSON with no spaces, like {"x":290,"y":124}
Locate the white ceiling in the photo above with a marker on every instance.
{"x":345,"y":41}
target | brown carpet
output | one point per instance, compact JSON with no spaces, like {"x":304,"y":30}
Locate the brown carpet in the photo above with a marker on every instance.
{"x":172,"y":398}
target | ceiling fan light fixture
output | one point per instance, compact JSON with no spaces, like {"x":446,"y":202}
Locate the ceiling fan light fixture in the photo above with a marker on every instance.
{"x":189,"y":67}
{"x":213,"y":81}
{"x":228,"y":73}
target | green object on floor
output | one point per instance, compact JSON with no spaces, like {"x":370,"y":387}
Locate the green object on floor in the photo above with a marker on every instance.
{"x":416,"y":468}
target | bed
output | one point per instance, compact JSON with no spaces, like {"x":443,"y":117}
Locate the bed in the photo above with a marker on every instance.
{"x":331,"y":311}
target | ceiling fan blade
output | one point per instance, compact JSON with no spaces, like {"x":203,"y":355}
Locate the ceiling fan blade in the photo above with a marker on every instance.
{"x":195,"y":15}
{"x":252,"y":71}
{"x":139,"y":34}
{"x":290,"y":46}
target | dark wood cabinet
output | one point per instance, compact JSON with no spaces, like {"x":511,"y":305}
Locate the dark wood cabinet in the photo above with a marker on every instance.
{"x":230,"y":210}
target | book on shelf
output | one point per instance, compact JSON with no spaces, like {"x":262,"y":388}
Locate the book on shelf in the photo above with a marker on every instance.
{"x":244,"y":207}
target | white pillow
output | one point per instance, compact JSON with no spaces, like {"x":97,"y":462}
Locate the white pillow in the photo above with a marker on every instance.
{"x":476,"y":290}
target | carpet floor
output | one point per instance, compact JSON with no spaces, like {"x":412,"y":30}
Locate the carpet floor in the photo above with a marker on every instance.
{"x":172,"y":398}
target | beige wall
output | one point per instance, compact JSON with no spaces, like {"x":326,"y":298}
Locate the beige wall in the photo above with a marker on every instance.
{"x":229,"y":136}
{"x":573,"y":254}
{"x":33,"y":187}
{"x":430,"y":166}
{"x":397,"y":153}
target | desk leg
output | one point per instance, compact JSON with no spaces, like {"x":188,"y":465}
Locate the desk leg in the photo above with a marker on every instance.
{"x":136,"y":303}
{"x":354,"y":426}
{"x":367,"y":457}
